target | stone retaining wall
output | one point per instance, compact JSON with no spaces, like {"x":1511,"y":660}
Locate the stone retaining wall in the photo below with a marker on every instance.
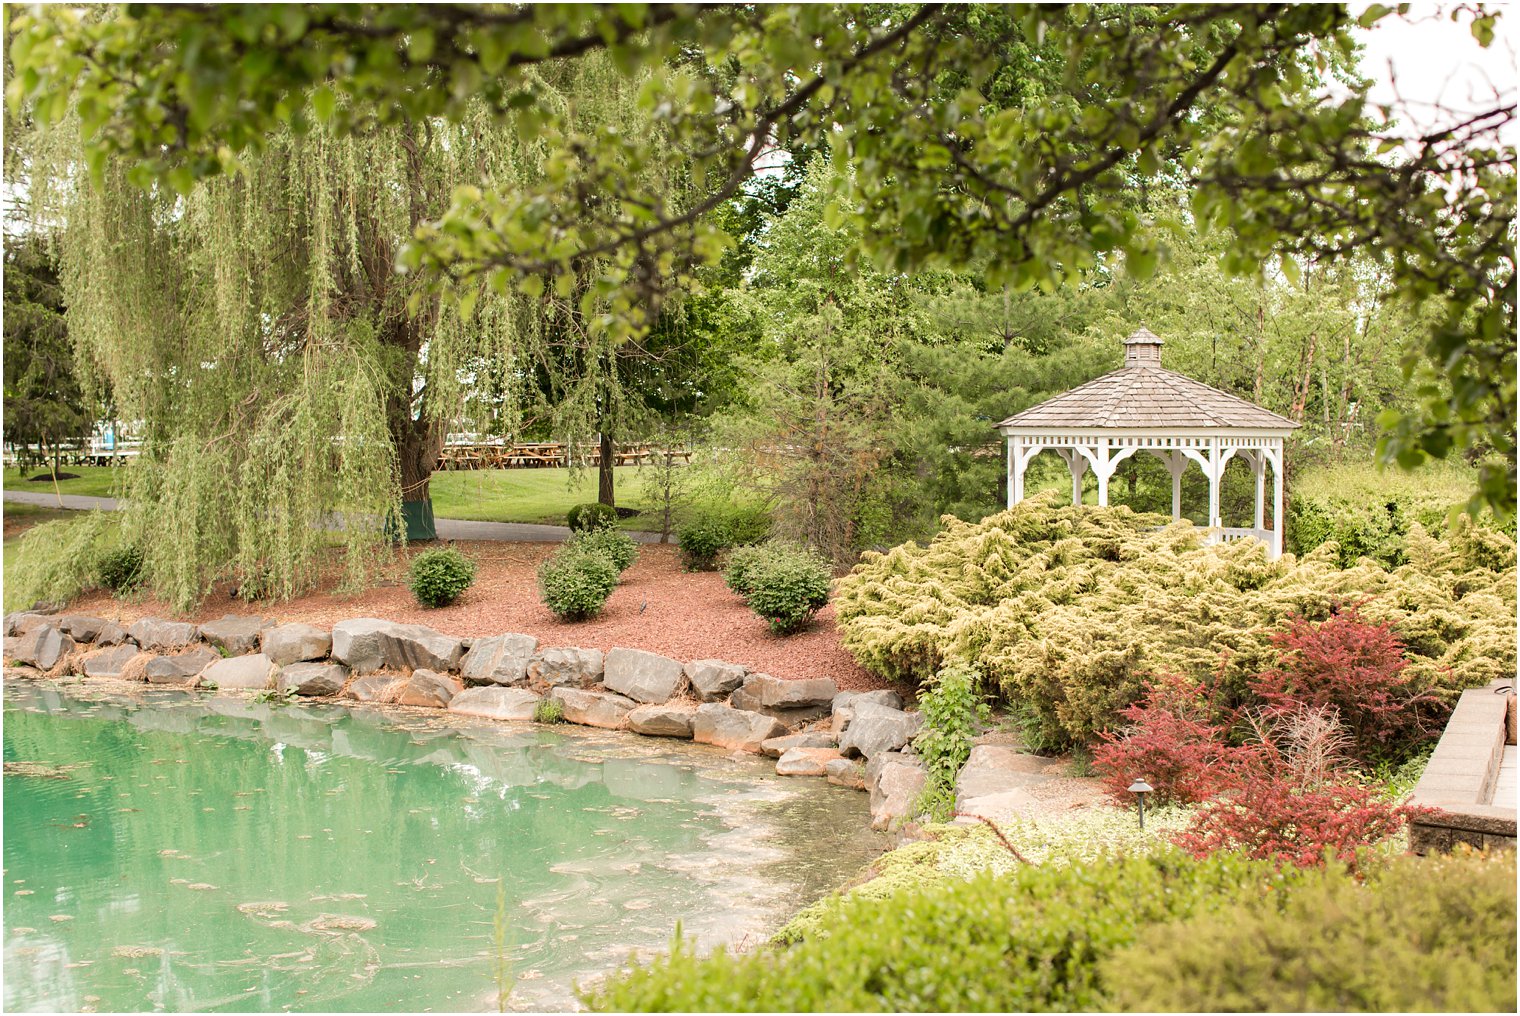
{"x":859,"y":740}
{"x":1469,"y":782}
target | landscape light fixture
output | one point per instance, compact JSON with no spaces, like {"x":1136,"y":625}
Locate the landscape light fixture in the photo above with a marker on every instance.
{"x":1140,"y":788}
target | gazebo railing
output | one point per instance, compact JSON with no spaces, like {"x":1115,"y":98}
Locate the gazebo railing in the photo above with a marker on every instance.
{"x":1230,"y":534}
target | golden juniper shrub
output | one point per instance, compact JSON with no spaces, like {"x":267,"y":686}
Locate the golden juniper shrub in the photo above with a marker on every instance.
{"x":1067,"y":609}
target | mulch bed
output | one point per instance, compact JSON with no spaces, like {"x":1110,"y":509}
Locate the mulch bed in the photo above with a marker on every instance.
{"x":658,"y":607}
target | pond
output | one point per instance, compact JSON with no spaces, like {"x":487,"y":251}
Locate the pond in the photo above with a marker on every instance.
{"x":172,"y":851}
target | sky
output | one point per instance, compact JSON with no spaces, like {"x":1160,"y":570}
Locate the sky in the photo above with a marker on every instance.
{"x":1433,"y":70}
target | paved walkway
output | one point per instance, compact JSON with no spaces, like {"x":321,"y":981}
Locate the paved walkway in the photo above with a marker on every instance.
{"x":448,"y":529}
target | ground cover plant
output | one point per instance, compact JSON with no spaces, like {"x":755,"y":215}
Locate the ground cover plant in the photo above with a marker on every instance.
{"x":1069,"y":610}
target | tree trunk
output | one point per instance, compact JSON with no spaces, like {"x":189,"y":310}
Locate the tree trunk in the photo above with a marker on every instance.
{"x":605,"y":458}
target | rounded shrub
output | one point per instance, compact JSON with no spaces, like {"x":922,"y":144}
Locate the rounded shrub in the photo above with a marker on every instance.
{"x":439,"y":576}
{"x":575,"y":584}
{"x":613,"y":544}
{"x":121,"y":570}
{"x":738,"y":572}
{"x":591,"y":515}
{"x":787,"y":588}
{"x":702,"y":540}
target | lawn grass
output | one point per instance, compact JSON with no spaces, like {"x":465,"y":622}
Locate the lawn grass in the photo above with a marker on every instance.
{"x":93,"y":481}
{"x":480,"y":495}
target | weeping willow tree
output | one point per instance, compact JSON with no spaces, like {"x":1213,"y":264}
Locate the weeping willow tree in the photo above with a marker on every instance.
{"x":291,"y":386}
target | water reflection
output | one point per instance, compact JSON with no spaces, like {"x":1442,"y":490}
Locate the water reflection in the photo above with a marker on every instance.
{"x":213,"y":853}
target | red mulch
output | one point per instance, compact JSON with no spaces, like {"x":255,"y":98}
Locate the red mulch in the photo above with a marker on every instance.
{"x":658,"y":607}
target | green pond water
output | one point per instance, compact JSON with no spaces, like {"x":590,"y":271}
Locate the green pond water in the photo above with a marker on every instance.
{"x":168,"y":851}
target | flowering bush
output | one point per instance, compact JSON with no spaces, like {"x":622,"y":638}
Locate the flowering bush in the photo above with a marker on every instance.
{"x":1357,"y":667}
{"x":1171,"y":744}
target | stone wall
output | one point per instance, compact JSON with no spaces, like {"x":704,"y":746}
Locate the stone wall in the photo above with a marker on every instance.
{"x":1469,"y":782}
{"x":859,"y":740}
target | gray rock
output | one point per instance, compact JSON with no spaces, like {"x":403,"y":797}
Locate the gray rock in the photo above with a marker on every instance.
{"x":496,"y":703}
{"x":847,"y":702}
{"x":714,"y":680}
{"x":593,"y":708}
{"x":778,"y":746}
{"x":23,"y":621}
{"x":367,"y":644}
{"x":235,"y":633}
{"x":843,"y":772}
{"x":109,"y":662}
{"x":663,"y":719}
{"x":294,"y":643}
{"x":43,"y":647}
{"x":376,"y":688}
{"x":156,"y":633}
{"x":806,"y":761}
{"x":894,"y":781}
{"x":776,"y":693}
{"x":994,"y":769}
{"x":735,"y":729}
{"x":428,"y":689}
{"x":243,"y":672}
{"x":83,"y":627}
{"x":643,"y":677}
{"x":181,"y":667}
{"x":879,"y":729}
{"x":569,"y":667}
{"x":311,"y":678}
{"x":111,"y":635}
{"x":501,"y":659}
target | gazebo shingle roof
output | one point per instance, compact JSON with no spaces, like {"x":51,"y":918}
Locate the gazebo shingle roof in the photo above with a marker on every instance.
{"x":1144,"y":395}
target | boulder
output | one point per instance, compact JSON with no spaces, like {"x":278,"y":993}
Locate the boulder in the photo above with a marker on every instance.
{"x":111,"y":634}
{"x":428,"y":689}
{"x":43,"y":647}
{"x":714,"y":680}
{"x":109,"y":662}
{"x":806,"y":761}
{"x":367,"y":644}
{"x":735,"y":729}
{"x":294,"y":643}
{"x":311,"y":678}
{"x":778,"y":746}
{"x":843,"y":772}
{"x":593,"y":708}
{"x":994,"y":769}
{"x":771,"y":693}
{"x":155,"y":633}
{"x":496,"y":703}
{"x":243,"y":672}
{"x":643,"y":677}
{"x":376,"y":688}
{"x":569,"y":667}
{"x":182,"y":667}
{"x":501,"y":659}
{"x":83,"y":627}
{"x":23,"y":621}
{"x":846,"y":702}
{"x":878,"y":729}
{"x":663,"y":719}
{"x":894,"y":781}
{"x":235,"y":633}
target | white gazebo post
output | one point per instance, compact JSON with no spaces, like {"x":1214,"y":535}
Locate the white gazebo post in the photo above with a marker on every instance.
{"x":1143,"y":407}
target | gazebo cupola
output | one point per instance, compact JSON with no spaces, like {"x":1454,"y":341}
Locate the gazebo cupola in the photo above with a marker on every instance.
{"x":1142,"y":407}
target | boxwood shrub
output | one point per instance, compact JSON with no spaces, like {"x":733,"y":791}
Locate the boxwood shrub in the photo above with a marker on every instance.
{"x":613,"y":544}
{"x":591,"y":515}
{"x":575,"y":584}
{"x":439,"y":576}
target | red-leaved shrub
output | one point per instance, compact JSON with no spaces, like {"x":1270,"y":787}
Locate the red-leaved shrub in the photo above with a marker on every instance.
{"x":1355,"y":667}
{"x":1171,"y":744}
{"x":1272,"y":818}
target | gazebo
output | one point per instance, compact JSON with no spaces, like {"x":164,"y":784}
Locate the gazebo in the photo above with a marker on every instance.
{"x":1141,"y":407}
